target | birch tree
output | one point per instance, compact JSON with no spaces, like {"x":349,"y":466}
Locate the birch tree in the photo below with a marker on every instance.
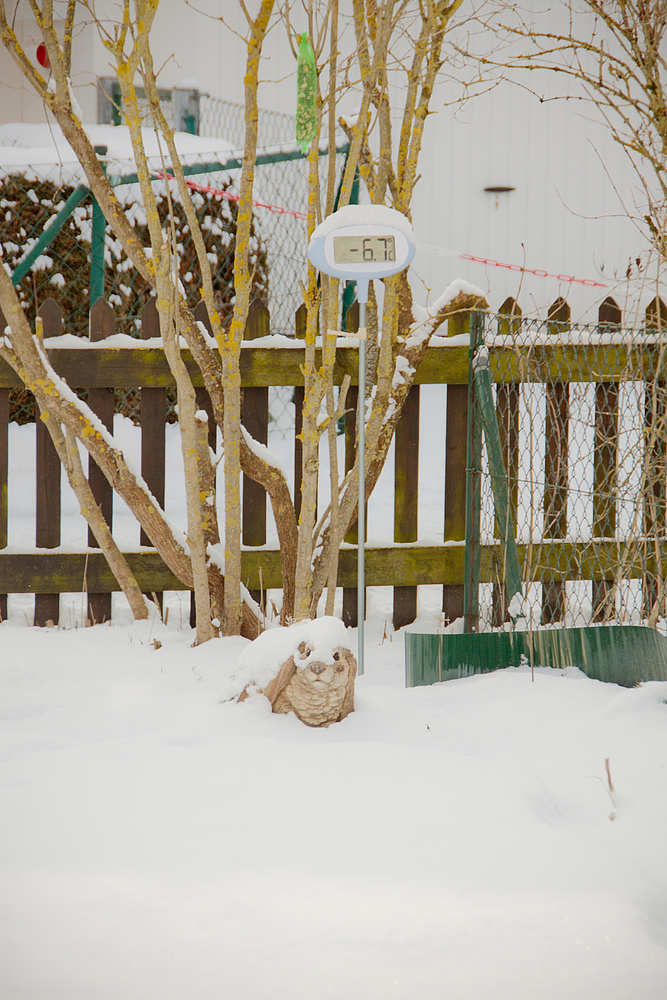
{"x":392,"y":66}
{"x":398,"y":55}
{"x":195,"y":558}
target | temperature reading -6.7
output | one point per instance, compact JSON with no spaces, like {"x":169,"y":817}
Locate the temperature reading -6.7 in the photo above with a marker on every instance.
{"x":364,"y":249}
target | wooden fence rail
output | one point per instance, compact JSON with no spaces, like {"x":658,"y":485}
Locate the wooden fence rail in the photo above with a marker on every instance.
{"x":100,"y":369}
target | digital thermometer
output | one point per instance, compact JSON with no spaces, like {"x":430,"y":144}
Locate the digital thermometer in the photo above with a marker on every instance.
{"x":359,"y":243}
{"x":367,"y":249}
{"x":362,"y":242}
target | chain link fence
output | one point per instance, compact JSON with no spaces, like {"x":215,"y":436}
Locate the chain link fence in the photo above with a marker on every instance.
{"x":582,"y":428}
{"x":226,"y":118}
{"x":51,"y":196}
{"x":281,"y":186}
{"x":62,"y":269}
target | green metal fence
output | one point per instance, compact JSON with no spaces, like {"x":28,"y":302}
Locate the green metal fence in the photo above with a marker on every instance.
{"x":36,"y":208}
{"x":567,"y":472}
{"x":55,"y":242}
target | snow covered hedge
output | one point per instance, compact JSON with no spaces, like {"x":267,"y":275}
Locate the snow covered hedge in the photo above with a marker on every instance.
{"x":62,"y":272}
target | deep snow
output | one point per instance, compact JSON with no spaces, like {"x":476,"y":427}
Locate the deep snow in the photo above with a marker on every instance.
{"x":446,"y":841}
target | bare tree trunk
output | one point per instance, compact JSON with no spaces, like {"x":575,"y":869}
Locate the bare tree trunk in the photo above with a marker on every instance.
{"x":230,"y":343}
{"x":309,"y":553}
{"x":189,"y":426}
{"x":68,"y":454}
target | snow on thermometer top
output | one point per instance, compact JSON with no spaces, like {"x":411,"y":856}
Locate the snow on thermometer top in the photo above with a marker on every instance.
{"x":361,"y":242}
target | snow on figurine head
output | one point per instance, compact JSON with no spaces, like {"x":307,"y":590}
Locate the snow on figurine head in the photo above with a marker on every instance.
{"x":306,"y":668}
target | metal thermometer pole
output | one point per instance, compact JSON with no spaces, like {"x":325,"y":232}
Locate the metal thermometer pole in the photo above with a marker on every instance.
{"x":359,"y":244}
{"x":361,"y":518}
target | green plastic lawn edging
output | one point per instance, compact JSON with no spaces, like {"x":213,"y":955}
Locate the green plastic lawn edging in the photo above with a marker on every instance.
{"x":620,"y":654}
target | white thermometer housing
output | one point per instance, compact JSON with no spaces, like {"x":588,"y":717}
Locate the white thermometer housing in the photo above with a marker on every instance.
{"x":362,"y":242}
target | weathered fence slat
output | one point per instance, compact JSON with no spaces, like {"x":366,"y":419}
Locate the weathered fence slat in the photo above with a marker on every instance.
{"x":127,"y":369}
{"x":300,"y":334}
{"x":406,"y":497}
{"x":37,"y":572}
{"x":655,"y":465}
{"x":153,"y":410}
{"x":350,"y":594}
{"x":473,"y":470}
{"x":47,"y":475}
{"x":556,"y":468}
{"x":101,"y":402}
{"x":456,"y":446}
{"x":605,"y":474}
{"x":4,"y":463}
{"x":256,"y":422}
{"x":507,"y":406}
{"x":33,"y":572}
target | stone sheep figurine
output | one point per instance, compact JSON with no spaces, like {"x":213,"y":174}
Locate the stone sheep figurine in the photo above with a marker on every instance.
{"x":316,"y":681}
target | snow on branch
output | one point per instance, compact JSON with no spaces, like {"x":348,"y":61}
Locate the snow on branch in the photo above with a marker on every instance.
{"x":261,"y":451}
{"x":427,"y":320}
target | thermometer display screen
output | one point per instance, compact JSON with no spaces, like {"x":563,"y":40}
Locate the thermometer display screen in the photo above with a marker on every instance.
{"x":364,"y":249}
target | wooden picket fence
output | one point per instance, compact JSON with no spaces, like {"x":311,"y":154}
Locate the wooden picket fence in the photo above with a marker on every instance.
{"x":102,"y":369}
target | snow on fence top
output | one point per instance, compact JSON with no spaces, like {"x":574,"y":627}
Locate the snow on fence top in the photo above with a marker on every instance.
{"x":41,"y":151}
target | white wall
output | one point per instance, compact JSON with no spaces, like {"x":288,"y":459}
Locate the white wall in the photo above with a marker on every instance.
{"x":564,"y":215}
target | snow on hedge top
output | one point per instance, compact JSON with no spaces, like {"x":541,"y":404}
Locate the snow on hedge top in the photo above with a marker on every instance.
{"x":40,"y":150}
{"x":365,"y":215}
{"x":261,"y":661}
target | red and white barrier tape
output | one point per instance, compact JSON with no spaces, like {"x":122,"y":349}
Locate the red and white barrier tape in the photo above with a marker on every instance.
{"x":533,"y":270}
{"x":276,"y":209}
{"x":487,"y":261}
{"x":538,"y":272}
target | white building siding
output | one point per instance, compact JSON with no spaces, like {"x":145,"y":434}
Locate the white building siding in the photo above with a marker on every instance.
{"x":563,"y":216}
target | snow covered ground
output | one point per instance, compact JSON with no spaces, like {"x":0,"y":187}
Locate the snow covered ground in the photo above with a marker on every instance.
{"x":449,"y":841}
{"x":456,"y":841}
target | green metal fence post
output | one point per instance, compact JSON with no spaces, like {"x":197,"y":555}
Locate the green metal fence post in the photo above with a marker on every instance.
{"x":97,"y":241}
{"x":473,"y":485}
{"x":349,"y":287}
{"x":498,"y":474}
